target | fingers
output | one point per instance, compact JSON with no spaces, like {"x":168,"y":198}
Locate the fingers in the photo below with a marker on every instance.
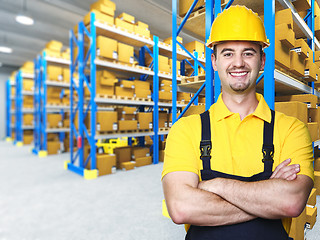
{"x":280,"y":166}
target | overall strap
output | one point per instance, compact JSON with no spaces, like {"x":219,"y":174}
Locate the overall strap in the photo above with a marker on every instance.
{"x":205,"y":144}
{"x":268,"y":147}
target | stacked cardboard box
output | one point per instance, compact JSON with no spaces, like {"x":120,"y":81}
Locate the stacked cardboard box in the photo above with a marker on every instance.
{"x":107,"y":121}
{"x":297,"y":226}
{"x":145,"y":120}
{"x":66,"y":54}
{"x":105,"y":83}
{"x":28,"y":67}
{"x":309,"y":99}
{"x":54,"y":120}
{"x":125,"y":53}
{"x":28,"y":102}
{"x":125,"y":22}
{"x":107,"y":48}
{"x":165,"y":90}
{"x":314,"y":122}
{"x":142,"y":29}
{"x":142,"y":89}
{"x":311,"y":209}
{"x":54,"y":73}
{"x":27,"y":137}
{"x":163,"y":119}
{"x":104,"y":12}
{"x":298,"y":55}
{"x":317,"y":181}
{"x":53,"y":95}
{"x":185,"y":5}
{"x":53,"y":49}
{"x":123,"y":154}
{"x":178,"y":65}
{"x":28,"y":119}
{"x":53,"y":144}
{"x":183,"y":97}
{"x":197,"y":47}
{"x":294,"y":109}
{"x":28,"y":85}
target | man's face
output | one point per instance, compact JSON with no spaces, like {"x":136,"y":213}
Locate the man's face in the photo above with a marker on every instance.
{"x":238,"y":64}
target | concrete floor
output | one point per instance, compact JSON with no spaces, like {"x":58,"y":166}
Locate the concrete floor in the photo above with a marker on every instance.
{"x":40,"y":200}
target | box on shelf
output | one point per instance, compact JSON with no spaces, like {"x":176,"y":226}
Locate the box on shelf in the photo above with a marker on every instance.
{"x":317,"y":164}
{"x":313,"y":128}
{"x":142,"y":93}
{"x":53,"y":147}
{"x":106,"y":163}
{"x":54,"y":120}
{"x":302,"y":5}
{"x":126,"y":84}
{"x":284,"y":16}
{"x":314,"y":115}
{"x":141,"y":28}
{"x":311,"y":70}
{"x":53,"y":95}
{"x":54,"y":45}
{"x":169,"y":41}
{"x":196,"y":46}
{"x":124,"y":92}
{"x":54,"y":73}
{"x":108,"y":3}
{"x":317,"y":182}
{"x":311,"y":213}
{"x":164,"y":82}
{"x":28,"y":67}
{"x":143,"y":161}
{"x":28,"y":102}
{"x":145,"y":120}
{"x":161,"y":155}
{"x":128,"y":125}
{"x":127,"y":18}
{"x":317,"y":27}
{"x":141,"y":84}
{"x":101,"y":7}
{"x":127,"y":110}
{"x":28,"y":85}
{"x":163,"y":119}
{"x":124,"y":25}
{"x":183,"y":96}
{"x":28,"y":119}
{"x":294,"y":109}
{"x":125,"y":53}
{"x":100,"y":17}
{"x":27,"y":137}
{"x":128,"y":165}
{"x":138,"y":152}
{"x":107,"y":121}
{"x":312,"y":200}
{"x":107,"y":47}
{"x":51,"y":53}
{"x":166,"y":96}
{"x":123,"y":154}
{"x":297,"y":226}
{"x":285,"y":35}
{"x":185,"y":5}
{"x":317,"y":55}
{"x":302,"y":48}
{"x":309,"y":99}
{"x":165,"y":88}
{"x":296,"y":64}
{"x":66,"y":54}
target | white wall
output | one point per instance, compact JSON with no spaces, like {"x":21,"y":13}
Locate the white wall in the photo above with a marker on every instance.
{"x":3,"y":103}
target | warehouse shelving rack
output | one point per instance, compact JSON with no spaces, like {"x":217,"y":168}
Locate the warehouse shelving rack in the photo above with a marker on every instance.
{"x":19,"y":109}
{"x":77,"y":162}
{"x":40,"y":103}
{"x":9,"y":85}
{"x":273,"y":77}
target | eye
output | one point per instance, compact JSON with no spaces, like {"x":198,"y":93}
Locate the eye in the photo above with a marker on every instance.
{"x":227,"y":54}
{"x":248,"y":54}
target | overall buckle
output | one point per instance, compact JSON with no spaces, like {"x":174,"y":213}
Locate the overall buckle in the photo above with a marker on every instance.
{"x":205,"y":148}
{"x":268,"y":153}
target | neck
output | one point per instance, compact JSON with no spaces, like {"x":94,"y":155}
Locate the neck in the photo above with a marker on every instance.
{"x":244,"y":104}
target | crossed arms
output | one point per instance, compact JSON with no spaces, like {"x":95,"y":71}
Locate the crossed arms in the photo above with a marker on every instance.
{"x":225,"y":201}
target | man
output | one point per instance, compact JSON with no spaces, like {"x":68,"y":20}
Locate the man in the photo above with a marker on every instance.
{"x":239,"y":171}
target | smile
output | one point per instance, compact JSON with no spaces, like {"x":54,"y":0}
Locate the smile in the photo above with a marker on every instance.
{"x":238,"y":74}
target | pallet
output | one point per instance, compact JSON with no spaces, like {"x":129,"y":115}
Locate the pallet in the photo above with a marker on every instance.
{"x":164,"y":129}
{"x":193,"y":79}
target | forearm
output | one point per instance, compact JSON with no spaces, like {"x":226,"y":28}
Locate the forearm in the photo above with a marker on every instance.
{"x":273,"y":198}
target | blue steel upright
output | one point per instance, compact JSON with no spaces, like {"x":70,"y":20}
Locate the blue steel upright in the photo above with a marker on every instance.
{"x":209,"y":69}
{"x":269,"y":82}
{"x":174,"y":61}
{"x":8,"y":110}
{"x":156,"y":100}
{"x":217,"y":82}
{"x":37,"y":106}
{"x":18,"y":110}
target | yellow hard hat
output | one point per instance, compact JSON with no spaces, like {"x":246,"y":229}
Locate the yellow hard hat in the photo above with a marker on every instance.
{"x":238,"y":23}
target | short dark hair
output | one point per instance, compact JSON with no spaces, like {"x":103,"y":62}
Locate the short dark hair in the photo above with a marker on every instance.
{"x":215,"y":50}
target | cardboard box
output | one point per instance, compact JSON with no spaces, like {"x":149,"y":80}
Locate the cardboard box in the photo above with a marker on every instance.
{"x":311,"y":70}
{"x":27,"y":101}
{"x":169,"y":40}
{"x":54,"y":73}
{"x":126,"y":84}
{"x":128,"y":125}
{"x":53,"y":147}
{"x":285,"y":35}
{"x":128,"y":165}
{"x":141,"y":31}
{"x":317,"y":56}
{"x":161,"y":155}
{"x":183,"y":96}
{"x":185,"y":5}
{"x":143,"y":161}
{"x":141,"y":84}
{"x":312,"y":200}
{"x":54,"y":120}
{"x":28,"y":119}
{"x":166,"y":88}
{"x":106,"y":163}
{"x":142,"y":25}
{"x":311,"y":217}
{"x":124,"y":92}
{"x":138,"y":152}
{"x":127,"y":18}
{"x":313,"y":128}
{"x":107,"y":121}
{"x":296,"y":64}
{"x":142,"y":93}
{"x":66,"y":123}
{"x":284,"y":16}
{"x":195,"y":110}
{"x":54,"y":45}
{"x":51,"y":53}
{"x":295,"y":109}
{"x":123,"y":25}
{"x":123,"y":154}
{"x":100,"y":17}
{"x":309,"y":99}
{"x":108,"y":3}
{"x":127,"y":110}
{"x":317,"y":182}
{"x":195,"y":46}
{"x":302,"y":48}
{"x":302,"y":5}
{"x":125,"y":53}
{"x":297,"y":226}
{"x":167,"y":96}
{"x":145,"y":120}
{"x":314,"y":115}
{"x":107,"y":47}
{"x":28,"y":85}
{"x":66,"y":74}
{"x":27,"y":138}
{"x":164,"y":82}
{"x":102,"y":8}
{"x":163,"y":119}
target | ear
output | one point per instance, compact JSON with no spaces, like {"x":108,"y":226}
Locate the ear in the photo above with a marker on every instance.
{"x":263,"y":61}
{"x":213,"y":60}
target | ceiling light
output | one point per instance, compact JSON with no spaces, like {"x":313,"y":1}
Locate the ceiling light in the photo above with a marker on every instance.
{"x":5,"y":49}
{"x":23,"y":17}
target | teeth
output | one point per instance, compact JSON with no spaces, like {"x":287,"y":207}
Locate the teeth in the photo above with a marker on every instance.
{"x":238,"y":74}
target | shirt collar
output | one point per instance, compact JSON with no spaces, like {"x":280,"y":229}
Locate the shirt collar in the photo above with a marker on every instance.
{"x":220,"y":110}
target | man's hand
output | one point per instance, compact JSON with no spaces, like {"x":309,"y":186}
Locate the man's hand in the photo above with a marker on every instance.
{"x":285,"y":171}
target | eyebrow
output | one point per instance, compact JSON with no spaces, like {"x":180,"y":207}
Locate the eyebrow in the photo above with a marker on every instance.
{"x":232,"y":50}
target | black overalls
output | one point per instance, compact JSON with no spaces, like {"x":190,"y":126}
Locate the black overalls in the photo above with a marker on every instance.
{"x":257,"y":229}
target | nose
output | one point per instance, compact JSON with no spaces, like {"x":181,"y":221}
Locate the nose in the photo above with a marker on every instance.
{"x":238,"y":60}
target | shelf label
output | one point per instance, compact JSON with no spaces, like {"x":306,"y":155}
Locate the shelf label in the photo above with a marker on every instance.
{"x":115,"y":126}
{"x":98,"y":127}
{"x":131,"y":60}
{"x":115,"y":55}
{"x":150,"y":125}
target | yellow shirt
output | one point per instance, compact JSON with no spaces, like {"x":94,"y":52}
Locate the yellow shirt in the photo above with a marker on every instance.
{"x":236,"y":144}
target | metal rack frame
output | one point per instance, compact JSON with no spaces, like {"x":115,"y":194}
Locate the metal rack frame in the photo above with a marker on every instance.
{"x":8,"y":111}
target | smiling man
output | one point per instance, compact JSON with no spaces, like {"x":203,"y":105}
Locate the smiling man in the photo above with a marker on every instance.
{"x":239,"y":170}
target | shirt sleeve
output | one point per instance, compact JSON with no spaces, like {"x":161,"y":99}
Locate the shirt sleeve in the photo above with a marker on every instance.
{"x":298,"y":147}
{"x":180,"y":151}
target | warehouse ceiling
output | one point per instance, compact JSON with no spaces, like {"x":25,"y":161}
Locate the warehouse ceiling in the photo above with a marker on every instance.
{"x":54,"y":19}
